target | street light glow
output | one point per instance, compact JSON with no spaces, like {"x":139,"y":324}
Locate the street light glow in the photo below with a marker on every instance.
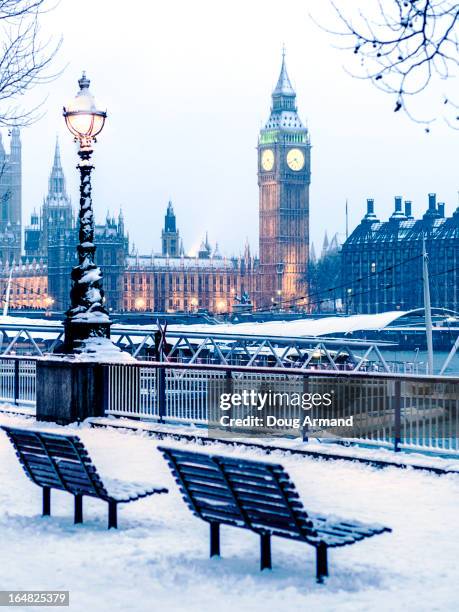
{"x":82,"y":116}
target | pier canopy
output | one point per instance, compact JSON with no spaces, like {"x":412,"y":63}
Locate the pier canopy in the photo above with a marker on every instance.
{"x":333,"y":325}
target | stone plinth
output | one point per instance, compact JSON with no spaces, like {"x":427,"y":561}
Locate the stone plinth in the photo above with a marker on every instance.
{"x":69,"y":391}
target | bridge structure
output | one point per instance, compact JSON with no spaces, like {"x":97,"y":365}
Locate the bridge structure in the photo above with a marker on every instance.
{"x":335,"y":342}
{"x":195,"y":347}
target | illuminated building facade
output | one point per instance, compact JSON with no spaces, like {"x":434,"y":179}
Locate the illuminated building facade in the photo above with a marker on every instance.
{"x":284,"y":175}
{"x":187,"y":284}
{"x":29,"y":286}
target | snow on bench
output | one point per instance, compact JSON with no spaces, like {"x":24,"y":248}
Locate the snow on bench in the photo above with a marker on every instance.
{"x":60,"y":461}
{"x":258,"y":496}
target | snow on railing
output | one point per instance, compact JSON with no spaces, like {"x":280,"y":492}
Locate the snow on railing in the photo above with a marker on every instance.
{"x":404,"y":411}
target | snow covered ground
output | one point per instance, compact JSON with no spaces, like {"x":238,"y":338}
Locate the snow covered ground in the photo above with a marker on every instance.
{"x":158,"y":559}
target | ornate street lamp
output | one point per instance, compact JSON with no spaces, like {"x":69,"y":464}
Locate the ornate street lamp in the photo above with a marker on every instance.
{"x":87,"y":317}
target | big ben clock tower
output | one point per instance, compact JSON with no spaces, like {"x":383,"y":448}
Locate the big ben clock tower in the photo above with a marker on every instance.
{"x":284,"y":175}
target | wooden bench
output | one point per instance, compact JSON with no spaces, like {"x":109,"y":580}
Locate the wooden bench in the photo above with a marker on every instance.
{"x":60,"y":461}
{"x":261,"y":497}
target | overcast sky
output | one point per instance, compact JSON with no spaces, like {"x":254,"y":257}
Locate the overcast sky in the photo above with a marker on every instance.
{"x":187,"y":86}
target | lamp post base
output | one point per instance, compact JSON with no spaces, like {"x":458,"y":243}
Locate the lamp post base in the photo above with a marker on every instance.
{"x":77,"y":333}
{"x":69,"y":392}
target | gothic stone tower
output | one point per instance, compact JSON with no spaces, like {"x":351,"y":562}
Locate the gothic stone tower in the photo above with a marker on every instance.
{"x":170,"y":238}
{"x":57,"y":212}
{"x":57,"y":234}
{"x":11,"y":199}
{"x":283,"y":179}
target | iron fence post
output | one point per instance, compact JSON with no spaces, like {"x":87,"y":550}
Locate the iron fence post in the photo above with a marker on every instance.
{"x":397,"y":420}
{"x":161,"y":393}
{"x":305,"y":428}
{"x":106,"y":389}
{"x":16,"y":382}
{"x":229,"y":390}
{"x":228,"y":381}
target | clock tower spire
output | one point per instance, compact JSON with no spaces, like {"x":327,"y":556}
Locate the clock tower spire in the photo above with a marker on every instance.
{"x":284,"y":171}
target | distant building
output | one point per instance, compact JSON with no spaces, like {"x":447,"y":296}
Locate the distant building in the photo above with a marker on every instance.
{"x":50,"y":246}
{"x":382,"y":260}
{"x":10,"y":200}
{"x":29,"y":287}
{"x":182,"y":283}
{"x":284,"y":176}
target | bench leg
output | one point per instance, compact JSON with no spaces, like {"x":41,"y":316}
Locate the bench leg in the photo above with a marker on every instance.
{"x":214,"y":539}
{"x":321,"y":562}
{"x":112,"y":515}
{"x":46,"y":501}
{"x":78,"y":509}
{"x":265,"y":551}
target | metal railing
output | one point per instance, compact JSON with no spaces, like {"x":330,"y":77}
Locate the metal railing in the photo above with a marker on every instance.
{"x":397,"y":410}
{"x":18,"y":380}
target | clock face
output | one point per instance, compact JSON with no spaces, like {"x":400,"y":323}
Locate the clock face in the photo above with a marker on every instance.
{"x":295,"y":159}
{"x":267,"y":159}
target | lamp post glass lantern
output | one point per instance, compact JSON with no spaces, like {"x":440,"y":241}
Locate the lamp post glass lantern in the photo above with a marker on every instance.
{"x":87,"y":317}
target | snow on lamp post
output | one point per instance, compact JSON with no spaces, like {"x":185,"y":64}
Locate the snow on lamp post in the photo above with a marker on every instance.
{"x":87,"y":317}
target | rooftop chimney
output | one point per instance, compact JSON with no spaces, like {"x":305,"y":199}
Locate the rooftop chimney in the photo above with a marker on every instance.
{"x":398,"y":214}
{"x":441,"y":209}
{"x":432,"y":212}
{"x":370,"y":216}
{"x":408,"y":209}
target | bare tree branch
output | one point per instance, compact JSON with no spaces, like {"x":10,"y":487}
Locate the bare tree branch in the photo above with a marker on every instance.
{"x":25,"y":59}
{"x":405,"y":47}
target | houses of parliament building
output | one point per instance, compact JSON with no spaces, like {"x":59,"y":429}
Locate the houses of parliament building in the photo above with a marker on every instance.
{"x":168,"y":281}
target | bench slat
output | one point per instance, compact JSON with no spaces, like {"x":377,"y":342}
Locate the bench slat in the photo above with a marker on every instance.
{"x":207,"y":474}
{"x":257,"y":482}
{"x":32,"y":462}
{"x":277,"y":510}
{"x":68,"y":455}
{"x":252,"y":484}
{"x":198,"y":462}
{"x":39,"y":459}
{"x":269,"y":516}
{"x":250,"y":488}
{"x":273,"y":500}
{"x":72,"y":467}
{"x":37,"y":442}
{"x":47,"y":481}
{"x":200,"y":477}
{"x":256,"y":476}
{"x":214,"y":515}
{"x":211,"y":491}
{"x":42,"y":473}
{"x":224,"y":506}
